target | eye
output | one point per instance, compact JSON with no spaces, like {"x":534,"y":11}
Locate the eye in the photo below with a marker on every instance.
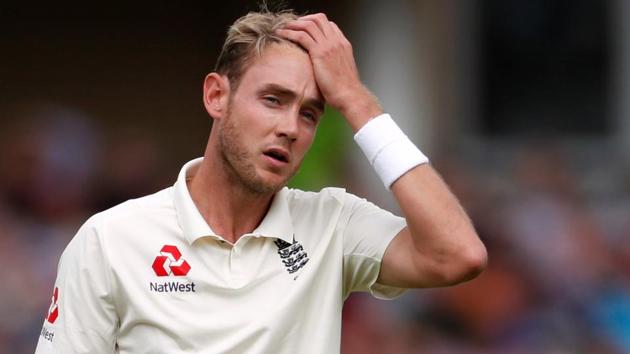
{"x":310,"y":116}
{"x":271,"y":99}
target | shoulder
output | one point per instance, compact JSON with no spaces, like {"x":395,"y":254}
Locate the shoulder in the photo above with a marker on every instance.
{"x":326,"y":195}
{"x":150,"y":206}
{"x":330,"y":196}
{"x":331,"y":204}
{"x":130,"y":215}
{"x":114,"y":226}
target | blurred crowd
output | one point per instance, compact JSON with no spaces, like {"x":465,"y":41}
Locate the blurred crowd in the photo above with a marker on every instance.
{"x":57,"y":167}
{"x":558,"y":279}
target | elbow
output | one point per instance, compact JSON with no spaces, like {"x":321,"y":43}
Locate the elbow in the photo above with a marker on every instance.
{"x":472,"y":260}
{"x":472,"y":263}
{"x":465,"y":265}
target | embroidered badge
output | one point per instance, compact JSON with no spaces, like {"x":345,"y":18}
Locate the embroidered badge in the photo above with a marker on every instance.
{"x":293,"y":255}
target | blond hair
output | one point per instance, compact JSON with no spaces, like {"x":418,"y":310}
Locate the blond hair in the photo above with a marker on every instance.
{"x":247,"y":38}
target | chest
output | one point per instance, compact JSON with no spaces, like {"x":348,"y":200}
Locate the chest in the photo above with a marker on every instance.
{"x":211,"y":293}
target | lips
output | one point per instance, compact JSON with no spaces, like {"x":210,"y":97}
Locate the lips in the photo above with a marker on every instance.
{"x":278,"y":154}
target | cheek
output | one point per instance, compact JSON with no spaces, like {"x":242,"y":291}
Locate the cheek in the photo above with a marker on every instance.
{"x":304,"y":143}
{"x":257,"y":118}
{"x":249,"y":121}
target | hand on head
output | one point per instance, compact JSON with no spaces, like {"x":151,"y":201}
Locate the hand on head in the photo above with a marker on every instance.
{"x":333,"y":64}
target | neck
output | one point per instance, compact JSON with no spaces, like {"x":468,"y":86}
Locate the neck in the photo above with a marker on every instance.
{"x":227,"y":206}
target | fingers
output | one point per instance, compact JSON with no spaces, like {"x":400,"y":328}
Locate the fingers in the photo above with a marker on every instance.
{"x":336,"y":29}
{"x":308,"y":27}
{"x":340,"y":34}
{"x":317,"y":27}
{"x":320,"y":20}
{"x":300,"y":37}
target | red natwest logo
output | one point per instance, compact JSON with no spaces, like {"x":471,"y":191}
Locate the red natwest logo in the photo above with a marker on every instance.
{"x":170,"y":262}
{"x":53,"y":311}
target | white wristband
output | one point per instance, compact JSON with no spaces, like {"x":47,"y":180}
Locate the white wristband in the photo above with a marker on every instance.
{"x":388,"y":149}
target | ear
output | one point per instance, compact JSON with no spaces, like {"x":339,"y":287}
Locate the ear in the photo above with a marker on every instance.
{"x":216,"y":95}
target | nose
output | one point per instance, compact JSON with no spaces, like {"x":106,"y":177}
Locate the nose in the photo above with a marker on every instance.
{"x":288,"y":126}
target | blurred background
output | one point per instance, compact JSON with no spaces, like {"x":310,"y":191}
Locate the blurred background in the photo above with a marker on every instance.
{"x":522,"y":105}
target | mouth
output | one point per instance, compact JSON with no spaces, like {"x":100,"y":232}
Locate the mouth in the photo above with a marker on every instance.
{"x":277,"y":154}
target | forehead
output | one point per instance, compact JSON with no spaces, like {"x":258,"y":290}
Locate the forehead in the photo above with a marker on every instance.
{"x":284,"y":65}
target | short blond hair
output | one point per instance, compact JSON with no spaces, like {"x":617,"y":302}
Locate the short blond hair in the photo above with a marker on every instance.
{"x":247,"y":38}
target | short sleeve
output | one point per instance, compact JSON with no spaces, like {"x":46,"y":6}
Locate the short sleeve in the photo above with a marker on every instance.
{"x":368,"y":231}
{"x":82,"y":316}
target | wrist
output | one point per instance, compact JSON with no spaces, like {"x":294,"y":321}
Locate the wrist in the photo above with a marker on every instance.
{"x":359,"y":106}
{"x":388,"y":149}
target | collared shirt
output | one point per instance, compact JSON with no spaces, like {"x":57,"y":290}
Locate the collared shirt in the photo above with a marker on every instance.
{"x":151,"y":276}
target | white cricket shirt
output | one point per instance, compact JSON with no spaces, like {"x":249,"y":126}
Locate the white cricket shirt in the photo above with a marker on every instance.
{"x":150,"y":276}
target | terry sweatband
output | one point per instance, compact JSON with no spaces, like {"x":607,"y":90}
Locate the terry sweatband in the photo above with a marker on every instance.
{"x":388,"y":149}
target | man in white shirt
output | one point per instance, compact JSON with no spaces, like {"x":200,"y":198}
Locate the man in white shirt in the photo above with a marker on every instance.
{"x":229,"y":260}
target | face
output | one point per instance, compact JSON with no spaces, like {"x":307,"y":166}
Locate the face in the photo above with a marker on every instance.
{"x":271,"y":119}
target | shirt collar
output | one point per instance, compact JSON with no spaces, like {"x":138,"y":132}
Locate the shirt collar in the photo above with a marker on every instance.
{"x":277,"y":223}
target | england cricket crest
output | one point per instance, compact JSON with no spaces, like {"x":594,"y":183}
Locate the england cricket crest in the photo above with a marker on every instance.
{"x":293,"y":255}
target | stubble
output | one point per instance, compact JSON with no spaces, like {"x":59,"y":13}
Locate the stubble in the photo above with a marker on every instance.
{"x":239,"y":164}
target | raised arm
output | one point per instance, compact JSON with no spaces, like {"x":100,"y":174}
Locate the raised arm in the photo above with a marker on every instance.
{"x":439,"y":246}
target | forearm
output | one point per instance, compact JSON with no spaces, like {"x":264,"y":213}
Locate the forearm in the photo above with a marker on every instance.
{"x":442,"y":235}
{"x":439,"y":246}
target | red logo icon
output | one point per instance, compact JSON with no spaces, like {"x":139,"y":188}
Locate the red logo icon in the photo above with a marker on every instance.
{"x":53,"y":311}
{"x":170,"y":262}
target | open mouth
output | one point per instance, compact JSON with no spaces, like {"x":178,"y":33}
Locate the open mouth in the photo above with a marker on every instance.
{"x":277,"y":154}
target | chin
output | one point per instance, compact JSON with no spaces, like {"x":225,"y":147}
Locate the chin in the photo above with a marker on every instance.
{"x":264,"y":184}
{"x":272,"y":181}
{"x":265,"y":188}
{"x":275,"y":184}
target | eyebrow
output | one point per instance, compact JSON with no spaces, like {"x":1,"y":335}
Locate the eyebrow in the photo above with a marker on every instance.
{"x":283,"y":91}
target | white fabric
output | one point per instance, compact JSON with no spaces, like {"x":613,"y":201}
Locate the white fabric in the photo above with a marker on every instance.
{"x":237,"y":298}
{"x":388,"y":149}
